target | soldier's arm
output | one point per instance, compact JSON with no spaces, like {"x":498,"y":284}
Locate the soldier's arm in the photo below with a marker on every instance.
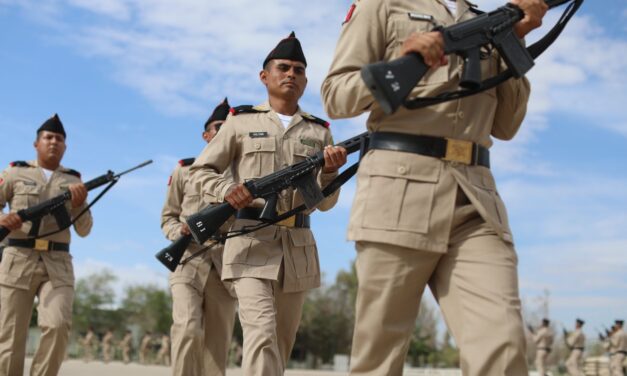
{"x":171,"y":212}
{"x":6,"y":190}
{"x":83,"y":225}
{"x":208,"y":170}
{"x":325,"y":178}
{"x":362,"y":41}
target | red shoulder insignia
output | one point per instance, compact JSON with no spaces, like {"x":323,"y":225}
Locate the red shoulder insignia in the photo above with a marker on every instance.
{"x":186,"y":162}
{"x":247,"y":109}
{"x":316,"y":119}
{"x":19,"y":164}
{"x":349,"y":15}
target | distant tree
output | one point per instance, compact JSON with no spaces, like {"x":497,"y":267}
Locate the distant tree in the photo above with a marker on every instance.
{"x":423,"y":340}
{"x":94,"y":299}
{"x":149,"y":307}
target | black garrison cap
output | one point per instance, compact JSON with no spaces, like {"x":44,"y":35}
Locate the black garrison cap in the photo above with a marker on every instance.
{"x":219,"y":113}
{"x":289,"y":49}
{"x":580,"y":321}
{"x":619,"y":322}
{"x":546,"y":321}
{"x":53,"y":125}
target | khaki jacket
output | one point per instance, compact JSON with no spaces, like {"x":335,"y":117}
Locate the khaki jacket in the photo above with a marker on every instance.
{"x":576,"y":339}
{"x":23,"y":187}
{"x":255,"y":145}
{"x":407,"y":199}
{"x":183,"y":199}
{"x":127,"y":341}
{"x":618,"y":341}
{"x":107,"y":339}
{"x":544,"y":338}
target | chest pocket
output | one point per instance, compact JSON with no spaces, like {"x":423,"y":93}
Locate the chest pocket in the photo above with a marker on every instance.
{"x":25,"y":195}
{"x":402,"y":27}
{"x":257,"y":157}
{"x":302,"y":151}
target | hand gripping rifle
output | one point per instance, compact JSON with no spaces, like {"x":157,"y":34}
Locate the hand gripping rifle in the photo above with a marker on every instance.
{"x":392,"y":82}
{"x":205,"y":224}
{"x":56,"y":205}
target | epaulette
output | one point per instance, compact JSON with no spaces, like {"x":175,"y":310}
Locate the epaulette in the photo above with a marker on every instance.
{"x":19,"y":164}
{"x":247,"y":109}
{"x":474,"y":8}
{"x":186,"y":162}
{"x":316,"y":119}
{"x":72,"y":172}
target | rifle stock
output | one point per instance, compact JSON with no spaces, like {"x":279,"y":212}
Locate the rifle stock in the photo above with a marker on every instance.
{"x":206,"y":223}
{"x":171,"y":255}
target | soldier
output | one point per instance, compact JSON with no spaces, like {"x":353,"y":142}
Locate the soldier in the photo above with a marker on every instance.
{"x":618,"y":343}
{"x":88,"y":345}
{"x":575,"y":342}
{"x":423,"y":214}
{"x":39,"y":266}
{"x":203,"y":310}
{"x":543,"y":338}
{"x":163,"y":356}
{"x":107,"y":348}
{"x":144,"y":348}
{"x":126,"y":346}
{"x":273,"y":267}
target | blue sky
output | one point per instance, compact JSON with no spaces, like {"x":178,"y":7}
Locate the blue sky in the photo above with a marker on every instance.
{"x":134,"y":80}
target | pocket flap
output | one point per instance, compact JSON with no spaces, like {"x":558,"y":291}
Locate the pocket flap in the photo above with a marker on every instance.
{"x":256,"y":145}
{"x":404,"y":165}
{"x":27,"y":189}
{"x":302,"y":237}
{"x":303,"y":150}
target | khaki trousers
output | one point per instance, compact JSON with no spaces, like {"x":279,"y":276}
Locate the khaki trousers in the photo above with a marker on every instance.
{"x":202,"y":327}
{"x":270,"y":320}
{"x":572,"y":363}
{"x":107,"y":353}
{"x":475,"y":284}
{"x":540,"y":362}
{"x":54,"y":319}
{"x":126,"y":355}
{"x":616,"y":364}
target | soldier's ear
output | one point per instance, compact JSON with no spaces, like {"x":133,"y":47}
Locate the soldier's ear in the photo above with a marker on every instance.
{"x":263,"y":77}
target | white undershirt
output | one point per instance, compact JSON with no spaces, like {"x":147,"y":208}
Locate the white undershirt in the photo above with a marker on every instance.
{"x":452,"y":6}
{"x":47,"y":173}
{"x":285,"y":119}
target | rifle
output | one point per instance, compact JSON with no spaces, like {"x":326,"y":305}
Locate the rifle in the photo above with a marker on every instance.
{"x":530,"y":328}
{"x":56,"y":205}
{"x":301,"y":176}
{"x":391,"y":82}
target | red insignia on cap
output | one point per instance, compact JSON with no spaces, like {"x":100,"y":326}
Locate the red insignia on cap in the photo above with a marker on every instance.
{"x":349,"y":15}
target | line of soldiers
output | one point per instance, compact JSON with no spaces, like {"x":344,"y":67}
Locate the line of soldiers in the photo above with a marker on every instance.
{"x":614,"y":342}
{"x":149,"y":346}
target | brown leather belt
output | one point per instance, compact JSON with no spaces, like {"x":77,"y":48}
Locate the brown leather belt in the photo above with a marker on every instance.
{"x":298,"y":220}
{"x":41,"y":245}
{"x":448,"y":149}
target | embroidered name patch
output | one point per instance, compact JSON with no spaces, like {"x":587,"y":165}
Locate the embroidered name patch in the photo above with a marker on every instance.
{"x":258,"y":134}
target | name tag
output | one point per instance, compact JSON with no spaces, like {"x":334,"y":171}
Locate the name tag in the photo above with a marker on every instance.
{"x":258,"y":134}
{"x":420,"y":17}
{"x":29,"y":183}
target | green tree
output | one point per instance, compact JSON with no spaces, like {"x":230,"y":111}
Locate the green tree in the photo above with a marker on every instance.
{"x":149,"y":307}
{"x":94,"y":299}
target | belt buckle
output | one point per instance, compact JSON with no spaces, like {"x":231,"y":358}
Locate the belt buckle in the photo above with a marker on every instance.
{"x":458,"y":151}
{"x":41,"y":245}
{"x":287,"y":222}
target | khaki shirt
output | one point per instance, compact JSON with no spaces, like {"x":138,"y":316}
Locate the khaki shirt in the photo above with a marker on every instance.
{"x":618,"y":341}
{"x":107,"y":339}
{"x":576,"y":339}
{"x":23,"y":187}
{"x":543,"y":338}
{"x":402,"y":198}
{"x":127,"y":341}
{"x":183,"y":199}
{"x":255,"y":145}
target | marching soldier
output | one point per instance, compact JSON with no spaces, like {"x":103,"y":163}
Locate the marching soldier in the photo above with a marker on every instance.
{"x":426,"y":208}
{"x":163,"y":356}
{"x":273,"y":267}
{"x":618,"y":343}
{"x":144,"y":348}
{"x":126,"y":346}
{"x":543,"y":338}
{"x":575,"y":342}
{"x":203,"y":308}
{"x":88,"y":345}
{"x":35,"y":263}
{"x":107,"y":346}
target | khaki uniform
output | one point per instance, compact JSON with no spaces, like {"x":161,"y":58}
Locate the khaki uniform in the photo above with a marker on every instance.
{"x":26,"y":273}
{"x":273,"y":267}
{"x":126,"y":346}
{"x":88,"y":346}
{"x":107,"y":347}
{"x":543,"y":339}
{"x":618,"y":344}
{"x":163,"y":356}
{"x":144,"y":349}
{"x":203,"y":308}
{"x":430,"y":221}
{"x":576,"y":342}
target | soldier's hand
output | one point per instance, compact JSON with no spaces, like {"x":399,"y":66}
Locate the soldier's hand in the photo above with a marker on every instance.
{"x":534,"y":12}
{"x":334,"y":158}
{"x":185,"y":229}
{"x":238,"y":196}
{"x":429,"y":45}
{"x":79,"y":194}
{"x":11,"y":221}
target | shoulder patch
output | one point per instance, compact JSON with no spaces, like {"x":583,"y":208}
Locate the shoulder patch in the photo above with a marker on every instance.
{"x":316,"y":119}
{"x":186,"y":162}
{"x":19,"y":164}
{"x":247,"y":109}
{"x":349,"y":15}
{"x":72,"y":172}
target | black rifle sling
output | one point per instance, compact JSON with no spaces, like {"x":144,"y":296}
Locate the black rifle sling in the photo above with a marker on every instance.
{"x":535,"y":50}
